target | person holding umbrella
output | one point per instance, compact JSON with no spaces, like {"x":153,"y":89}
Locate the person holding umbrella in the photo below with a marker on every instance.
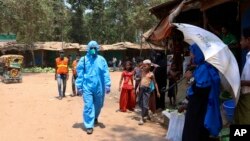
{"x":203,"y":110}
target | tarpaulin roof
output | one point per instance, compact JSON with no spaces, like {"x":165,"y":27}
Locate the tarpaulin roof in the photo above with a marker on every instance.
{"x":159,"y":33}
{"x":7,"y":37}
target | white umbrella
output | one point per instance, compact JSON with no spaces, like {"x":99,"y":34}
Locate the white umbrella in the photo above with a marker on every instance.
{"x":216,"y":53}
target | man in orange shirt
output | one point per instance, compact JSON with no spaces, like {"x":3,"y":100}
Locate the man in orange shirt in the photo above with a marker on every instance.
{"x":74,"y":65}
{"x":61,"y":73}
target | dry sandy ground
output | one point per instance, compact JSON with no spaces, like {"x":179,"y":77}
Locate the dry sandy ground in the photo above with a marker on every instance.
{"x":30,"y":111}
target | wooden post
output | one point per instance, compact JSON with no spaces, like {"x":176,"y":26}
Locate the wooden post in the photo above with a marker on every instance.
{"x":33,"y":55}
{"x":43,"y":58}
{"x":141,"y":47}
{"x":204,"y":20}
{"x":166,"y":49}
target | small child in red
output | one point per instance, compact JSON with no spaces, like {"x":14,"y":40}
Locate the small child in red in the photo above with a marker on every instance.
{"x":127,"y":98}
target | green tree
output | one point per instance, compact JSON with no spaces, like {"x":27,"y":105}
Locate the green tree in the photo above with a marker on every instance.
{"x":111,"y":21}
{"x":107,"y":21}
{"x":94,"y":18}
{"x":77,"y":32}
{"x":30,"y":20}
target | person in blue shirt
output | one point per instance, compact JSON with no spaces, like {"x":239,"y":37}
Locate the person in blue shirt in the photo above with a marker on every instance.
{"x":203,"y":118}
{"x":93,"y":82}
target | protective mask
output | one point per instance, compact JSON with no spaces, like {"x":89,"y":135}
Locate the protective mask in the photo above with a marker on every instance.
{"x":93,"y":51}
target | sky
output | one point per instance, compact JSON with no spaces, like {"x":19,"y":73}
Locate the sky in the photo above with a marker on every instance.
{"x":69,"y":6}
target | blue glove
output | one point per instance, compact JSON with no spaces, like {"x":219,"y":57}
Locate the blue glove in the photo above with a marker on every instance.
{"x":107,"y":90}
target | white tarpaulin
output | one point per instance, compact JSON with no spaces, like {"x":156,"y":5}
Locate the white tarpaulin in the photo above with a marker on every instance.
{"x":216,"y":53}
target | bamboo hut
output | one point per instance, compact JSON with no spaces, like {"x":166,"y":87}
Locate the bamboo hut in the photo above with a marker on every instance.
{"x":11,"y":48}
{"x":209,"y":14}
{"x":46,"y":52}
{"x":108,"y":51}
{"x":138,"y":50}
{"x":197,"y":13}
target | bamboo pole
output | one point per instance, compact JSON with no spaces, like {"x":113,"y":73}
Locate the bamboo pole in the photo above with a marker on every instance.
{"x":141,"y":46}
{"x":204,"y":20}
{"x":43,"y":58}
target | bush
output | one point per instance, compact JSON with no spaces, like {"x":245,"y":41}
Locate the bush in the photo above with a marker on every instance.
{"x":39,"y":70}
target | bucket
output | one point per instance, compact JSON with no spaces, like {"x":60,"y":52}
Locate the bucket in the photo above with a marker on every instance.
{"x":229,"y":107}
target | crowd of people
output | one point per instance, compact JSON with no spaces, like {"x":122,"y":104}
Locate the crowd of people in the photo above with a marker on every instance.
{"x":144,"y":84}
{"x":138,"y":84}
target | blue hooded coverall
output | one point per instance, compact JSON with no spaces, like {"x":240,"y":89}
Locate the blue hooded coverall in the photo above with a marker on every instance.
{"x":93,"y":80}
{"x":206,"y":75}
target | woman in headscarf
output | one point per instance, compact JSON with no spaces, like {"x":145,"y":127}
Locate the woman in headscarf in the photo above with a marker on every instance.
{"x":203,"y":117}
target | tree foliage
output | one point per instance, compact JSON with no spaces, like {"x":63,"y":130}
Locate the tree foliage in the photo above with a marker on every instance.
{"x":32,"y":20}
{"x":77,"y":22}
{"x":107,"y":21}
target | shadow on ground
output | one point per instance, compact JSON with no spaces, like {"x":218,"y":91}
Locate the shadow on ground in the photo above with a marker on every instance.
{"x":130,"y":134}
{"x":81,"y":125}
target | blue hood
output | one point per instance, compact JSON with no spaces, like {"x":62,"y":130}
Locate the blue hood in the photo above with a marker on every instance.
{"x":198,"y":55}
{"x":93,"y":44}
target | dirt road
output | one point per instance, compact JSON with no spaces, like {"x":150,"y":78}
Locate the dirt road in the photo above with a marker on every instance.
{"x":30,"y":111}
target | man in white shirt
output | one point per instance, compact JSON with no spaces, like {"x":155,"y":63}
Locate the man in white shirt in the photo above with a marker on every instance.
{"x":242,"y":112}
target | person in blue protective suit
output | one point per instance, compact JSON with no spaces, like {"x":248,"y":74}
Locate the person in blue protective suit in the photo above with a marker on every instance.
{"x":203,"y":118}
{"x":93,"y":82}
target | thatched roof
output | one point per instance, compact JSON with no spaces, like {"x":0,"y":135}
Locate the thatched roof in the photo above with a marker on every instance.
{"x":72,"y":46}
{"x":123,"y":46}
{"x":104,"y":47}
{"x":111,"y":47}
{"x":145,"y":46}
{"x":11,"y":56}
{"x":5,"y":46}
{"x":55,"y":46}
{"x":83,"y":48}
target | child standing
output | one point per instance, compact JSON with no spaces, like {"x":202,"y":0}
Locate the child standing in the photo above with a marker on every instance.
{"x":127,"y":98}
{"x":147,"y":78}
{"x":137,"y":74}
{"x":172,"y":77}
